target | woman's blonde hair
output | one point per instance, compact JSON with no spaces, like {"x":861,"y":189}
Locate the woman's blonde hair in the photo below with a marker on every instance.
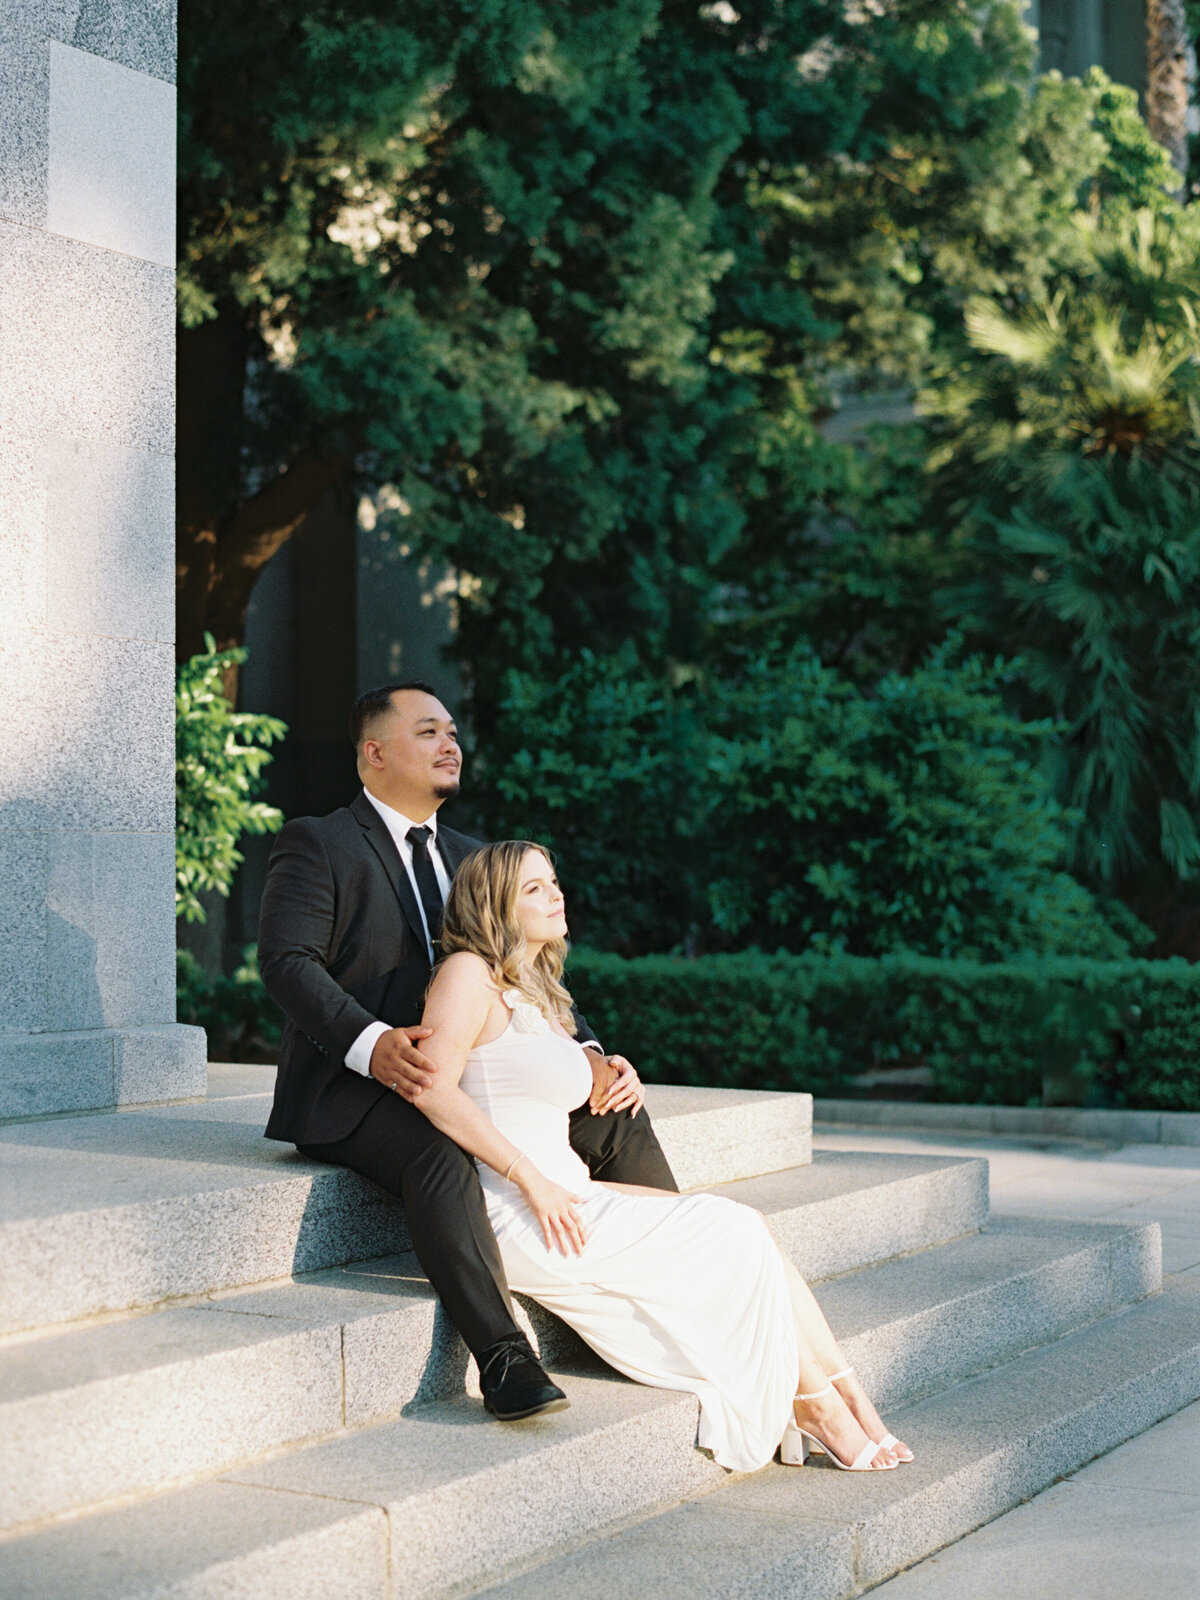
{"x":481,"y":916}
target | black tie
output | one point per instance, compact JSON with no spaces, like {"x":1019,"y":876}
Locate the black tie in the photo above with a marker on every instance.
{"x":427,"y":884}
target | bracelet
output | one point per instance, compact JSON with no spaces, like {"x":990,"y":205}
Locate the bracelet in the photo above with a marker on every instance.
{"x":514,"y":1164}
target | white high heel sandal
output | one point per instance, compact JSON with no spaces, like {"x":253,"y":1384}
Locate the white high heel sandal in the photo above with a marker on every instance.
{"x":797,"y":1442}
{"x":889,"y":1440}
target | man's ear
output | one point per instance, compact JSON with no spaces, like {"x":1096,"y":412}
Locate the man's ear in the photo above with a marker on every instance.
{"x":370,"y":755}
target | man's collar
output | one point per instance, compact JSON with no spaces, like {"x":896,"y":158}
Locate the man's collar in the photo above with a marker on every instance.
{"x":397,"y":822}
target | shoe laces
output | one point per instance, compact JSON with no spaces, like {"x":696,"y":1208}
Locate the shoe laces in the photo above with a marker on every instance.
{"x":502,"y":1360}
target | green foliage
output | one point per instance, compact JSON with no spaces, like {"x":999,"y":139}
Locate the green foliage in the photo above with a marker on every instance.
{"x":240,"y":1019}
{"x":1071,"y":448}
{"x":219,"y":757}
{"x":790,"y":808}
{"x":1123,"y":1033}
{"x":581,"y":281}
{"x":583,"y":284}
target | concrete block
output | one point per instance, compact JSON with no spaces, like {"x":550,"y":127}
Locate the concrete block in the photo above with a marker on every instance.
{"x":1037,"y":1122}
{"x":110,"y":958}
{"x":48,"y":19}
{"x":893,"y":1113}
{"x":23,"y":873}
{"x":111,"y":1212}
{"x":138,"y":33}
{"x":399,"y":1349}
{"x":239,"y":1079}
{"x":127,"y":1406}
{"x":848,"y":1210}
{"x":219,"y":1541}
{"x":443,"y":1473}
{"x":712,"y":1136}
{"x":1181,"y":1128}
{"x":42,"y":1073}
{"x":1163,"y":1460}
{"x":111,"y":176}
{"x":981,"y":1448}
{"x":123,"y":1211}
{"x":914,"y":1326}
{"x":706,"y":1549}
{"x":88,"y":741}
{"x":110,"y":541}
{"x":163,"y":1063}
{"x":24,"y":122}
{"x":87,"y":342}
{"x":22,"y":532}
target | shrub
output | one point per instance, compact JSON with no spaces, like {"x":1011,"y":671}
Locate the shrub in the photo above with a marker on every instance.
{"x":1120,"y":1032}
{"x":787,"y":805}
{"x":1125,"y":1032}
{"x":219,"y":757}
{"x":241,"y":1020}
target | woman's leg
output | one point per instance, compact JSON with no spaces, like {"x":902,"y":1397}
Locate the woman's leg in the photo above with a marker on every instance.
{"x":814,"y":1332}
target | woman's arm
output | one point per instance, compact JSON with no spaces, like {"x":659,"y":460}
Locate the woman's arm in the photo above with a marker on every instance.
{"x":460,"y":999}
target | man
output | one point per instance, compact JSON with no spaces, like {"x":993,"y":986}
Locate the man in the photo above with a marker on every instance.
{"x":351,"y":914}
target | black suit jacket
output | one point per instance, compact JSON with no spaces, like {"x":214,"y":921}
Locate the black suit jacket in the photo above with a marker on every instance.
{"x":340,"y":945}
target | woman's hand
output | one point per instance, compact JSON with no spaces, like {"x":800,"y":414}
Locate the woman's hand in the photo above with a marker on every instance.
{"x":553,"y":1206}
{"x":615,"y":1086}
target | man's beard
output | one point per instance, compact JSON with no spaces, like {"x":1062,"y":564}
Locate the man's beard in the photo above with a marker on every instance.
{"x":447,"y":787}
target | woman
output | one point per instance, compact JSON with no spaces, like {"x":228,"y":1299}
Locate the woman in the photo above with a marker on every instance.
{"x":678,"y":1291}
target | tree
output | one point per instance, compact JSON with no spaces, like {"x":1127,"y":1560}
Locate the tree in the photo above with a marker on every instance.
{"x":1071,"y":445}
{"x":573,"y":278}
{"x":1168,"y":57}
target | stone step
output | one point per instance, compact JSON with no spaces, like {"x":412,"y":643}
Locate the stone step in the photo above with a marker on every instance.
{"x":446,"y":1502}
{"x":130,"y":1405}
{"x":108,"y":1213}
{"x":981,"y":1448}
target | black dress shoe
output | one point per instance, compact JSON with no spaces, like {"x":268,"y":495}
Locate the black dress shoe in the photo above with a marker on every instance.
{"x":513,"y":1383}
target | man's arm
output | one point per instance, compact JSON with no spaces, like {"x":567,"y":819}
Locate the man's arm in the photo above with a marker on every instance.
{"x":584,"y":1031}
{"x":295,"y":936}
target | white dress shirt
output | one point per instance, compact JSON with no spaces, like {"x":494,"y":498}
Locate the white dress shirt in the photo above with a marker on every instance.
{"x":358,"y":1057}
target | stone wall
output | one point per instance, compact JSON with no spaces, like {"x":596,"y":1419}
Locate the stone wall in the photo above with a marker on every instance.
{"x":87,"y":252}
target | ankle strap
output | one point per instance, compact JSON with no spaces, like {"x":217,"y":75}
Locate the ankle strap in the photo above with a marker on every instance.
{"x":828,"y":1389}
{"x":834,"y":1376}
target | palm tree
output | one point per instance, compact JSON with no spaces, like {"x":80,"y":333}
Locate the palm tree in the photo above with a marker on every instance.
{"x":1071,"y":446}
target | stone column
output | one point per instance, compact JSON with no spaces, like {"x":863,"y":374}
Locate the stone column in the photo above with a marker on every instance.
{"x":87,"y":253}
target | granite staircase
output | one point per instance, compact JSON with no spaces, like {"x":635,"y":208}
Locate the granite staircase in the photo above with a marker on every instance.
{"x":222,"y":1376}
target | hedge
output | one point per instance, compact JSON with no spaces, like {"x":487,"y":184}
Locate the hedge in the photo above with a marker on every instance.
{"x":1124,"y":1033}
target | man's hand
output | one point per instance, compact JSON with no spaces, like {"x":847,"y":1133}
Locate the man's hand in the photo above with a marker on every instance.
{"x":615,"y":1085}
{"x":398,"y":1064}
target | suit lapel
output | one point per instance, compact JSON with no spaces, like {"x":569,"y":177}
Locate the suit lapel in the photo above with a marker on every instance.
{"x":455,"y":848}
{"x":384,"y":846}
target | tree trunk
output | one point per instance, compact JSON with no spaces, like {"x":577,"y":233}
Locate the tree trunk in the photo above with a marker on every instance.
{"x":1168,"y":53}
{"x":223,"y":538}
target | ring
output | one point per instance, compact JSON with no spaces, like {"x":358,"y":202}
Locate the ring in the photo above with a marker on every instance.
{"x":396,"y":1087}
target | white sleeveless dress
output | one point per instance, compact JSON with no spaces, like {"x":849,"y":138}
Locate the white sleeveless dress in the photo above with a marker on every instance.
{"x":683,"y":1292}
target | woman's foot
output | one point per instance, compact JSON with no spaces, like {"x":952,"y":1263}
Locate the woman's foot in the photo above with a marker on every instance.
{"x":827,"y":1419}
{"x":865,"y":1414}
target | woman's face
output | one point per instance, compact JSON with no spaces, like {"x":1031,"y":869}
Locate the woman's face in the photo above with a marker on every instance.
{"x":540,"y":907}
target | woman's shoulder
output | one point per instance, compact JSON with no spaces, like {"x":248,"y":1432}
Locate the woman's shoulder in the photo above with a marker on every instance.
{"x":464,"y":969}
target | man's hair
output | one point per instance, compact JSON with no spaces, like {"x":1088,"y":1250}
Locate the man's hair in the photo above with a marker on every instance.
{"x":376,"y":702}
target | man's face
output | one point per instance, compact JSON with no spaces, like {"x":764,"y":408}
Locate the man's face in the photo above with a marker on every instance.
{"x":416,"y":747}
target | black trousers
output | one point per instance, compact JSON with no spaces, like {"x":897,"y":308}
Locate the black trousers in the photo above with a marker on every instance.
{"x":400,"y":1149}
